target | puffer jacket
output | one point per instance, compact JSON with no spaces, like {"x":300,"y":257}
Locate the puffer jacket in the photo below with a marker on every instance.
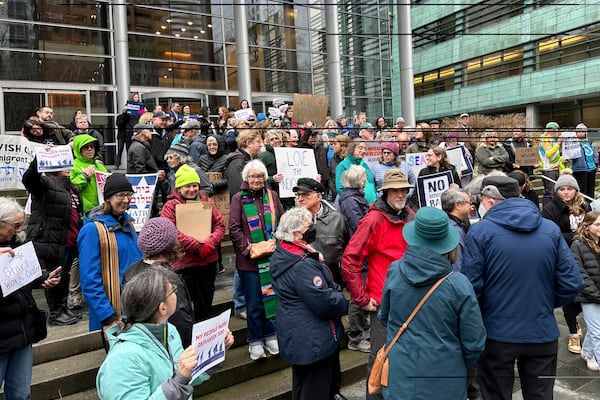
{"x":309,"y":305}
{"x":558,"y":212}
{"x":234,"y":164}
{"x":140,"y":159}
{"x":589,"y":267}
{"x":87,"y":184}
{"x":353,"y":206}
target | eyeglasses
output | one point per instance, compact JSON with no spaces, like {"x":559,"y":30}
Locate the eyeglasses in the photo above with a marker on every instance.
{"x":173,"y":291}
{"x":123,"y":195}
{"x":256,"y":177}
{"x":303,"y":195}
{"x":16,"y":225}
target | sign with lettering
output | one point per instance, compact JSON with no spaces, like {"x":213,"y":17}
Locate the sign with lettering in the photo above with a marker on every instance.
{"x":308,"y":107}
{"x":526,"y":156}
{"x":54,"y":158}
{"x":294,"y":163}
{"x":571,"y":148}
{"x":20,"y":270}
{"x":208,"y":339}
{"x":221,"y":199}
{"x":373,"y":153}
{"x":135,"y":108}
{"x":459,"y":157}
{"x":16,"y":153}
{"x":244,"y":114}
{"x":431,"y":187}
{"x":416,"y":161}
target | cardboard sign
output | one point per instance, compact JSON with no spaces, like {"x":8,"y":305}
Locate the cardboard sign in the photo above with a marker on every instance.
{"x":571,"y":148}
{"x":208,"y":339}
{"x":294,"y":163}
{"x":308,"y":107}
{"x":135,"y":108}
{"x":16,"y":153}
{"x":431,"y":187}
{"x":526,"y":156}
{"x":221,"y":199}
{"x":54,"y":158}
{"x":20,"y":270}
{"x":194,"y":218}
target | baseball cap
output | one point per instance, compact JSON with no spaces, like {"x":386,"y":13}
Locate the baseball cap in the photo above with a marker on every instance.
{"x":160,"y":114}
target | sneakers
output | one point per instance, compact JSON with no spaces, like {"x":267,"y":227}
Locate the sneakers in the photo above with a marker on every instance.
{"x":574,"y":344}
{"x":257,"y":351}
{"x":242,"y":315}
{"x":591,"y":362}
{"x":363,"y":345}
{"x":221,"y":269}
{"x":272,"y":346}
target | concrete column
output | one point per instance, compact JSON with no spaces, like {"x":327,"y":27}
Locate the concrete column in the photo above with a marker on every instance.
{"x":532,"y":116}
{"x":407,"y":90}
{"x":334,"y":65}
{"x":119,"y":9}
{"x":242,"y":50}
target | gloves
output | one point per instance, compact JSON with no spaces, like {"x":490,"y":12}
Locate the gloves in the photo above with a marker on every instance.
{"x":207,"y":249}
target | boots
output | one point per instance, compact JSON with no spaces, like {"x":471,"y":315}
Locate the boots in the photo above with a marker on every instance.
{"x":574,"y":343}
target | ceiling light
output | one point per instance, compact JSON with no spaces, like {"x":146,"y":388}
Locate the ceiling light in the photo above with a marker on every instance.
{"x":182,"y":29}
{"x":169,"y":20}
{"x":209,"y":25}
{"x":202,"y":31}
{"x":190,"y":23}
{"x":177,"y":35}
{"x":163,"y":27}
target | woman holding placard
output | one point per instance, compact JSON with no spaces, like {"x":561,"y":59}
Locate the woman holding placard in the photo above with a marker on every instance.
{"x":198,"y":267}
{"x":437,"y":161}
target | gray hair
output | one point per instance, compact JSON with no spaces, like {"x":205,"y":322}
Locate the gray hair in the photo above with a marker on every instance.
{"x":256,"y":166}
{"x":142,"y":295}
{"x":183,"y":159}
{"x":354,"y":177}
{"x":292,"y":221}
{"x":81,"y":116}
{"x":9,"y":208}
{"x":451,"y":197}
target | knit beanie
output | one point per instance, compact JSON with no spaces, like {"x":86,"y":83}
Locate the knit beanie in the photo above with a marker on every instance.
{"x":566,"y":180}
{"x":180,"y":149}
{"x":186,"y":175}
{"x":158,"y":236}
{"x":116,"y":183}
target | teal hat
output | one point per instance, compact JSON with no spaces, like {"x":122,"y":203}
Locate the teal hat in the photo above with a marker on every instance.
{"x":552,"y":125}
{"x":431,"y":229}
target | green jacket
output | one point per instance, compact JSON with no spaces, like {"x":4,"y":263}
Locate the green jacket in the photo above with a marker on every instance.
{"x":87,"y":184}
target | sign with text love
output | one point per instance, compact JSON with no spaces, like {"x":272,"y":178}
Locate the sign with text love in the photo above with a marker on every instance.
{"x":20,"y":270}
{"x":294,"y":163}
{"x":431,"y":187}
{"x":16,"y":153}
{"x":208,"y":339}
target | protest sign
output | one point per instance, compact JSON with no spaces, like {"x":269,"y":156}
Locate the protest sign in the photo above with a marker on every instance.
{"x":457,"y":156}
{"x":244,"y":114}
{"x":54,"y":158}
{"x":194,"y":218}
{"x":431,"y":187}
{"x":140,"y":205}
{"x":221,"y":199}
{"x":373,"y":153}
{"x":274,"y":113}
{"x":526,"y":156}
{"x":571,"y":148}
{"x":135,"y":108}
{"x":308,"y":107}
{"x":294,"y":163}
{"x":20,"y":270}
{"x":416,"y":161}
{"x":16,"y":153}
{"x":208,"y":339}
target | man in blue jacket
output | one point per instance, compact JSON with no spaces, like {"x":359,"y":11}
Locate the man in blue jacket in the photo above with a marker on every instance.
{"x":521,"y":269}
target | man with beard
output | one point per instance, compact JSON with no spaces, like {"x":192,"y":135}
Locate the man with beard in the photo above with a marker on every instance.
{"x":379,"y":239}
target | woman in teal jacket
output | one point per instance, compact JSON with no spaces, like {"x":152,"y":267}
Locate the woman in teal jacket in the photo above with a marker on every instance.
{"x":356,"y":151}
{"x":85,"y":165}
{"x":430,"y":359}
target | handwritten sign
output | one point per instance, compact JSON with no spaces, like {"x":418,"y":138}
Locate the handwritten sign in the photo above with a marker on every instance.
{"x":244,"y":114}
{"x":54,"y":158}
{"x":208,"y":339}
{"x":373,"y":153}
{"x":416,"y":161}
{"x":221,"y":199}
{"x":274,"y":113}
{"x":431,"y":187}
{"x":20,"y":270}
{"x":294,"y":163}
{"x":308,"y":107}
{"x":526,"y":156}
{"x":571,"y":148}
{"x":135,"y":108}
{"x":16,"y":153}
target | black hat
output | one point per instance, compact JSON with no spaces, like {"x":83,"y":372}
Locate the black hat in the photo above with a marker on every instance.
{"x":116,"y":183}
{"x":138,"y":128}
{"x":500,"y":187}
{"x":308,"y":185}
{"x":160,"y":114}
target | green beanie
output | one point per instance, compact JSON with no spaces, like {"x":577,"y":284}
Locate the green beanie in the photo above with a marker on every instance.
{"x":186,"y":175}
{"x":552,"y":125}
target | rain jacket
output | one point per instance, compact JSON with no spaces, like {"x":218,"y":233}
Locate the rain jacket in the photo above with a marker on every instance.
{"x":370,"y":191}
{"x":86,"y":184}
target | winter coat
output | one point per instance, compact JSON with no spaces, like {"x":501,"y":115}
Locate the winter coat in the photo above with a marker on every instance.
{"x":589,"y":267}
{"x":521,"y":269}
{"x":216,"y":163}
{"x":332,"y":235}
{"x":510,"y":145}
{"x":380,"y":169}
{"x":139,"y":158}
{"x":159,"y":144}
{"x":100,"y":148}
{"x":268,"y":158}
{"x":239,"y":232}
{"x":197,"y":147}
{"x":309,"y":305}
{"x":558,"y":212}
{"x":53,"y":133}
{"x":233,"y":170}
{"x":332,"y":176}
{"x":90,"y":267}
{"x":378,"y":238}
{"x":370,"y":191}
{"x":86,"y":184}
{"x":50,"y":217}
{"x":460,"y":248}
{"x":490,"y":158}
{"x":418,"y":147}
{"x":585,"y":163}
{"x":353,"y":206}
{"x":448,"y":323}
{"x":139,"y":366}
{"x":197,"y":252}
{"x":432,"y":170}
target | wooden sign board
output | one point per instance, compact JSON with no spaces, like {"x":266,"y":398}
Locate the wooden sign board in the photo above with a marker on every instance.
{"x":526,"y":156}
{"x":308,"y":107}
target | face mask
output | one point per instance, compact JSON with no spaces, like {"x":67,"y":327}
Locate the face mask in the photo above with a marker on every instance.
{"x":310,"y":235}
{"x":481,"y":210}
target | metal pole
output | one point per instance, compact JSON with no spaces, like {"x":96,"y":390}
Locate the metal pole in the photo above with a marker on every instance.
{"x":407,"y":90}
{"x":553,"y":181}
{"x":334,"y":65}
{"x":121,"y":52}
{"x":242,"y":50}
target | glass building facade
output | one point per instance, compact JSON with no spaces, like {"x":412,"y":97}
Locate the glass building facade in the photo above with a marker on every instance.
{"x":62,"y":53}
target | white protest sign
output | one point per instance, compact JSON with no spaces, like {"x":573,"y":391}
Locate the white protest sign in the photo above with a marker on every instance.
{"x":373,"y":153}
{"x":208,"y":339}
{"x":20,"y":270}
{"x":416,"y":161}
{"x":457,"y":156}
{"x":431,"y":187}
{"x":16,"y":153}
{"x":294,"y":163}
{"x":244,"y":113}
{"x":274,"y":112}
{"x":571,"y":148}
{"x":54,"y":158}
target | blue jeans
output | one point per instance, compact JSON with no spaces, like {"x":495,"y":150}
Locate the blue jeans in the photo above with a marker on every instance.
{"x":239,"y":303}
{"x":591,"y":342}
{"x":259,"y":327}
{"x":15,"y":373}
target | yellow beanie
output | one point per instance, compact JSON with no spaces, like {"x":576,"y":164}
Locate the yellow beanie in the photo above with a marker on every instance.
{"x":186,"y":175}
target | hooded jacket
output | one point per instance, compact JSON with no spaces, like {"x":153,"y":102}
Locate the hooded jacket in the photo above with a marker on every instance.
{"x":449,"y":323}
{"x":86,"y":184}
{"x":309,"y":305}
{"x":521,"y":269}
{"x":215,"y":163}
{"x":370,"y":191}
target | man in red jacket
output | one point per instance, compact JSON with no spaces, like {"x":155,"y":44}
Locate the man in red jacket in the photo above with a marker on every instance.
{"x":378,"y":238}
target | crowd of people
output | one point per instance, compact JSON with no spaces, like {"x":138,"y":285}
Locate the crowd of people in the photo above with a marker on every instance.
{"x":351,"y":226}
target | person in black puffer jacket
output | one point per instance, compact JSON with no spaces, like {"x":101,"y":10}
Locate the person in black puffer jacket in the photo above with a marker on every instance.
{"x":215,"y":160}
